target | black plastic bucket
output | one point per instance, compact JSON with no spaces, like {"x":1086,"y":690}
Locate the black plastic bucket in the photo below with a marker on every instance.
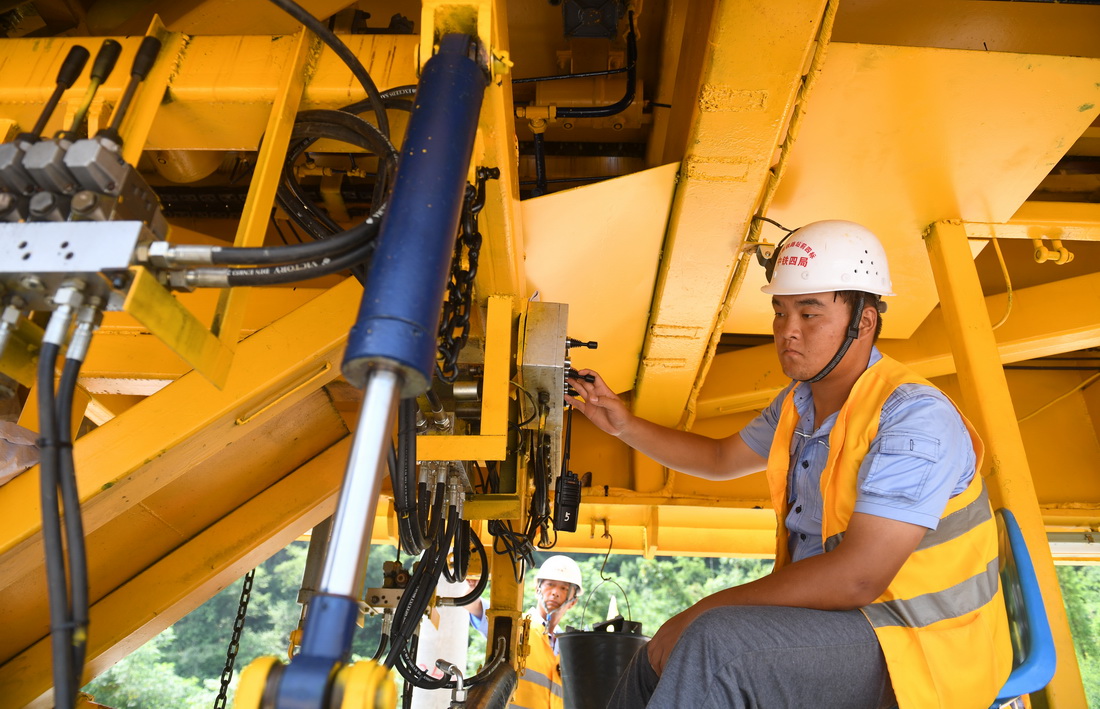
{"x":592,"y":661}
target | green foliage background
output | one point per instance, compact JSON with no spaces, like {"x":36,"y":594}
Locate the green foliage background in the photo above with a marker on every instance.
{"x":181,"y":667}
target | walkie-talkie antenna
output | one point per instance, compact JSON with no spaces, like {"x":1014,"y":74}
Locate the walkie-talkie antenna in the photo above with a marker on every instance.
{"x":70,"y":70}
{"x":143,"y":62}
{"x":101,"y":68}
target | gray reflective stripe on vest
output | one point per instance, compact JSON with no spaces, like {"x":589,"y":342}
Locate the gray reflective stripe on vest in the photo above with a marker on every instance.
{"x":958,"y":600}
{"x":541,"y":680}
{"x":950,"y":527}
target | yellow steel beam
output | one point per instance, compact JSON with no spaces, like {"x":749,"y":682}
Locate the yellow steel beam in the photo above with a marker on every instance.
{"x":265,"y":179}
{"x":130,"y":615}
{"x":139,"y":118}
{"x":622,"y":222}
{"x":987,"y":403}
{"x":748,"y":379}
{"x":751,"y":71}
{"x":155,"y":308}
{"x":107,"y":457}
{"x":211,"y":93}
{"x":501,"y":264}
{"x":1067,"y":214}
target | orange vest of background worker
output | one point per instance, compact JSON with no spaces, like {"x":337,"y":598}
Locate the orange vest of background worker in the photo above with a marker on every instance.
{"x":941,"y":621}
{"x":557,"y":586}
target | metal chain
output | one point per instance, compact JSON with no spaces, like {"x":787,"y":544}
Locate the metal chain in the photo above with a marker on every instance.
{"x":235,"y":641}
{"x":454,"y":323}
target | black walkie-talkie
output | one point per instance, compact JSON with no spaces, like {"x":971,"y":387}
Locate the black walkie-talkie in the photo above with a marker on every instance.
{"x":567,"y":502}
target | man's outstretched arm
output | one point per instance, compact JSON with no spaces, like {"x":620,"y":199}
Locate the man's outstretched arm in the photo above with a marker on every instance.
{"x":701,"y":456}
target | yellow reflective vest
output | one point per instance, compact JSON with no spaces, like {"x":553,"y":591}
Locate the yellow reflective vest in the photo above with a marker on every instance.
{"x":941,"y":621}
{"x":539,"y":686}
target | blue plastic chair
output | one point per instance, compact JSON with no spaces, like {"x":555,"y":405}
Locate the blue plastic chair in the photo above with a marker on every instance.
{"x":1033,"y":654}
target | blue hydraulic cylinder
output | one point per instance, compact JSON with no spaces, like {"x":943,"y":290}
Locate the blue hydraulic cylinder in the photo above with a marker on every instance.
{"x":399,"y":315}
{"x":326,"y":644}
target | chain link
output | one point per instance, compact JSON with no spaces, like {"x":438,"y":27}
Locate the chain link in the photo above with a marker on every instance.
{"x":454,"y":323}
{"x":235,"y":641}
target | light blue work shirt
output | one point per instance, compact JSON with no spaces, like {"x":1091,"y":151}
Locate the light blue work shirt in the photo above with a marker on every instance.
{"x":921,"y":457}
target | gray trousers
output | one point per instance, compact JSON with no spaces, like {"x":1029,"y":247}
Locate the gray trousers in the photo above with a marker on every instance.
{"x":764,"y":657}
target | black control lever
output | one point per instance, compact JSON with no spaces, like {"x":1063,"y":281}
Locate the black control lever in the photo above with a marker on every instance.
{"x":102,"y":67}
{"x":574,"y":374}
{"x":570,"y":342}
{"x":143,"y":62}
{"x":70,"y":70}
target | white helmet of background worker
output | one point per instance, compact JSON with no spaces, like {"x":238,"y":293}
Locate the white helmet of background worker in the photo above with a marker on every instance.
{"x":560,"y":568}
{"x":832,"y":255}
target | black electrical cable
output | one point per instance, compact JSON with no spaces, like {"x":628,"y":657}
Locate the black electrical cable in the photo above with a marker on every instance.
{"x":73,"y":523}
{"x":56,"y":584}
{"x":302,"y":15}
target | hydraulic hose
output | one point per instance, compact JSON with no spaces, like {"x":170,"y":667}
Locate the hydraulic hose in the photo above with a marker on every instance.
{"x":295,"y":253}
{"x":405,"y":499}
{"x":346,"y":55}
{"x":631,"y":81}
{"x":290,"y":273}
{"x":482,"y":583}
{"x":56,"y":585}
{"x":74,"y":526}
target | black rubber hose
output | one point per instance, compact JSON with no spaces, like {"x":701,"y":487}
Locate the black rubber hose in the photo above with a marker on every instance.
{"x":540,"y":165}
{"x":290,"y":273}
{"x":406,"y":441}
{"x":483,"y":582}
{"x":271,"y":255}
{"x":74,"y":524}
{"x":318,"y":28}
{"x":347,"y":128}
{"x":56,"y":584}
{"x":631,"y":81}
{"x":419,"y":592}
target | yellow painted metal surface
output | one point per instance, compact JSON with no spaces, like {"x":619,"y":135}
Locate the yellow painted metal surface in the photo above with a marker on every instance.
{"x":265,"y":180}
{"x":986,"y":402}
{"x":911,"y":121}
{"x":749,"y":378}
{"x":969,"y":137}
{"x":741,"y":105}
{"x":164,"y":317}
{"x":596,"y":248}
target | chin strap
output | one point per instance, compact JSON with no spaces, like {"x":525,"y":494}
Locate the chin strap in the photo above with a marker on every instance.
{"x":853,"y":333}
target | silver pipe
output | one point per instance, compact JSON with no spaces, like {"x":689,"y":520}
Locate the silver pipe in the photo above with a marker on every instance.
{"x":355,"y":510}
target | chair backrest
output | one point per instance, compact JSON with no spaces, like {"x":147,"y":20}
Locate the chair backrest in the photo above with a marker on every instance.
{"x":1034,"y":657}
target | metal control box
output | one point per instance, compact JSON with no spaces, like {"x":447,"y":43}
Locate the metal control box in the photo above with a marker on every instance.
{"x":543,"y":370}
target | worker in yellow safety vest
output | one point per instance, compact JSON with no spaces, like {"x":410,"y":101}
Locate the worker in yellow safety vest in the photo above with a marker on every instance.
{"x":557,"y":586}
{"x":885,"y":590}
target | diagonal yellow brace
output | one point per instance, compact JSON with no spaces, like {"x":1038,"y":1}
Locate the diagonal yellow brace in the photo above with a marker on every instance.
{"x":987,"y":403}
{"x":139,"y":119}
{"x":155,"y":308}
{"x":265,"y":181}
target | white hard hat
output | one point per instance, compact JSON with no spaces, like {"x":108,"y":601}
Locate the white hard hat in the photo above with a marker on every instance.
{"x":826,"y":256}
{"x":560,"y":568}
